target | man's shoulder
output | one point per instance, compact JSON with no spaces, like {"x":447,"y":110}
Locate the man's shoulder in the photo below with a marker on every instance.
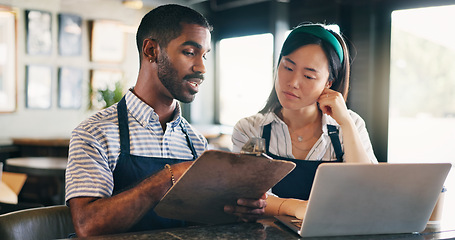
{"x":104,"y":117}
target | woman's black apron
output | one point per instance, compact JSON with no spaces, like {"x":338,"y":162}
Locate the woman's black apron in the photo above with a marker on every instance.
{"x":298,"y":183}
{"x":131,"y":170}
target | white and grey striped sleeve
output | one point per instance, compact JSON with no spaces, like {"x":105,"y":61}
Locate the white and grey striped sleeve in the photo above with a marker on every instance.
{"x":88,"y":173}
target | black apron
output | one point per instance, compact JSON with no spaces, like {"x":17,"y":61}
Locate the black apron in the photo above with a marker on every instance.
{"x":131,"y":170}
{"x":298,"y":183}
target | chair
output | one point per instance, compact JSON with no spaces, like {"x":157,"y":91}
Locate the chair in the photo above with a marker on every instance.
{"x":37,"y":223}
{"x":7,"y":207}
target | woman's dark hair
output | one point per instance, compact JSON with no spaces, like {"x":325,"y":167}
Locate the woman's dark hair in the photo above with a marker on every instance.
{"x":339,"y":72}
{"x":164,"y":24}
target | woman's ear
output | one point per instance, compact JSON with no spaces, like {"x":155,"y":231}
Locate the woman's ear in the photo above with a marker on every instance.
{"x":150,"y":50}
{"x":328,"y":84}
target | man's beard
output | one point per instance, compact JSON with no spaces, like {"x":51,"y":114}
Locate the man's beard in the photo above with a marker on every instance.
{"x":168,"y":76}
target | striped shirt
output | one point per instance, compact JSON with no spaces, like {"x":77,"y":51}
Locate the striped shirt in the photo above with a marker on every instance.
{"x":95,"y":146}
{"x":280,"y":139}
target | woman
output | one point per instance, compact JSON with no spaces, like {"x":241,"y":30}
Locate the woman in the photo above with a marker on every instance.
{"x":305,"y":119}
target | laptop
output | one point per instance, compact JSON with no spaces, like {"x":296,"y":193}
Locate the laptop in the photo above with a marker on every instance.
{"x":364,"y":199}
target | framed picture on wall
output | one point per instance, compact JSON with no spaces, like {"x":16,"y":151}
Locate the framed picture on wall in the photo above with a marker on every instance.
{"x":7,"y":62}
{"x":108,"y":41}
{"x":69,"y":35}
{"x":39,"y":32}
{"x":38,"y":86}
{"x":105,"y":88}
{"x":69,"y":87}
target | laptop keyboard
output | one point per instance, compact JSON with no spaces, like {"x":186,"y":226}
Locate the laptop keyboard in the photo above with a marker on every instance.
{"x":297,"y":222}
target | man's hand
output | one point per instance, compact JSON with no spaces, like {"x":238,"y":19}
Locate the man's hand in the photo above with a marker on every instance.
{"x":180,"y":168}
{"x":86,"y":211}
{"x":248,"y":210}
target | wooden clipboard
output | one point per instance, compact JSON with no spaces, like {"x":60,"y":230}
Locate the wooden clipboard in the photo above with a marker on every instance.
{"x":218,"y":178}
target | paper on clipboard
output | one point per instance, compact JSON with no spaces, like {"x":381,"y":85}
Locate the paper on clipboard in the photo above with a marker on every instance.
{"x":218,"y":178}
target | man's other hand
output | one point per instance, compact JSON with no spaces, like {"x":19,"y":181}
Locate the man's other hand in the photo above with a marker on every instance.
{"x":248,"y":210}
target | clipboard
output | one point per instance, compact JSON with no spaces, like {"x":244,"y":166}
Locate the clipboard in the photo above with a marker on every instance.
{"x":219,"y":178}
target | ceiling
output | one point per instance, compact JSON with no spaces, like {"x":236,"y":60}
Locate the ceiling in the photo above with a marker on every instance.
{"x":215,"y":5}
{"x":160,"y":2}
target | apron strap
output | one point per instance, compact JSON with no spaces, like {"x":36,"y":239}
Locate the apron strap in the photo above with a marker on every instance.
{"x":124,"y":131}
{"x":333,"y":133}
{"x":266,"y":135}
{"x":188,"y":139}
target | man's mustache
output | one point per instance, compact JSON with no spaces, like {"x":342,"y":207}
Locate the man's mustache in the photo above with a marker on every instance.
{"x":192,"y":76}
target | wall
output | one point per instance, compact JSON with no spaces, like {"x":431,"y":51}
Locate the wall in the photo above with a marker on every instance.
{"x":56,"y":122}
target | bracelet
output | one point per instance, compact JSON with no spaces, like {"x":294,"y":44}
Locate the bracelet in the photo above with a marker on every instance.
{"x":280,"y":206}
{"x":172,"y":174}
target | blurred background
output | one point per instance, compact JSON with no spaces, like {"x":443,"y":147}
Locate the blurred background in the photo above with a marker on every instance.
{"x":63,"y":60}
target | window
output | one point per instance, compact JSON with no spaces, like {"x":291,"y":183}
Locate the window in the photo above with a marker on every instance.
{"x":245,"y":76}
{"x":422,"y":86}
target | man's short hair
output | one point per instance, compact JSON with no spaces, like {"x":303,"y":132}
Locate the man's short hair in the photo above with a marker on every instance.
{"x":164,"y":24}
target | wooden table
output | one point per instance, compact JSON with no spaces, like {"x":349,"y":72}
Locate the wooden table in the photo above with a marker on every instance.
{"x":41,"y":166}
{"x":54,"y":147}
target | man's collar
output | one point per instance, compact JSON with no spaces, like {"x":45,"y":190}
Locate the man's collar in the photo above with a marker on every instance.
{"x":144,"y":114}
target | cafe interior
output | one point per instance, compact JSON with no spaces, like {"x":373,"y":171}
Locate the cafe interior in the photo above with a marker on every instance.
{"x":61,"y":61}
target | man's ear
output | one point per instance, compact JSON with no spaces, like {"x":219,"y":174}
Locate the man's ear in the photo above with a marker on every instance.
{"x":150,"y":50}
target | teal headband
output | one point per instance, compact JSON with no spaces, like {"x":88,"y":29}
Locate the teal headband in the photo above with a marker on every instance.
{"x":322,"y":33}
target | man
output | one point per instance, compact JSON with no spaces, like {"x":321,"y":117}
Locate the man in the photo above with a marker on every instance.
{"x":116,"y":172}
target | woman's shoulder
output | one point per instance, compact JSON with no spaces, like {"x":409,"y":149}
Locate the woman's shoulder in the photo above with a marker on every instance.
{"x":353,"y":114}
{"x":358,"y":120}
{"x":256,"y":120}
